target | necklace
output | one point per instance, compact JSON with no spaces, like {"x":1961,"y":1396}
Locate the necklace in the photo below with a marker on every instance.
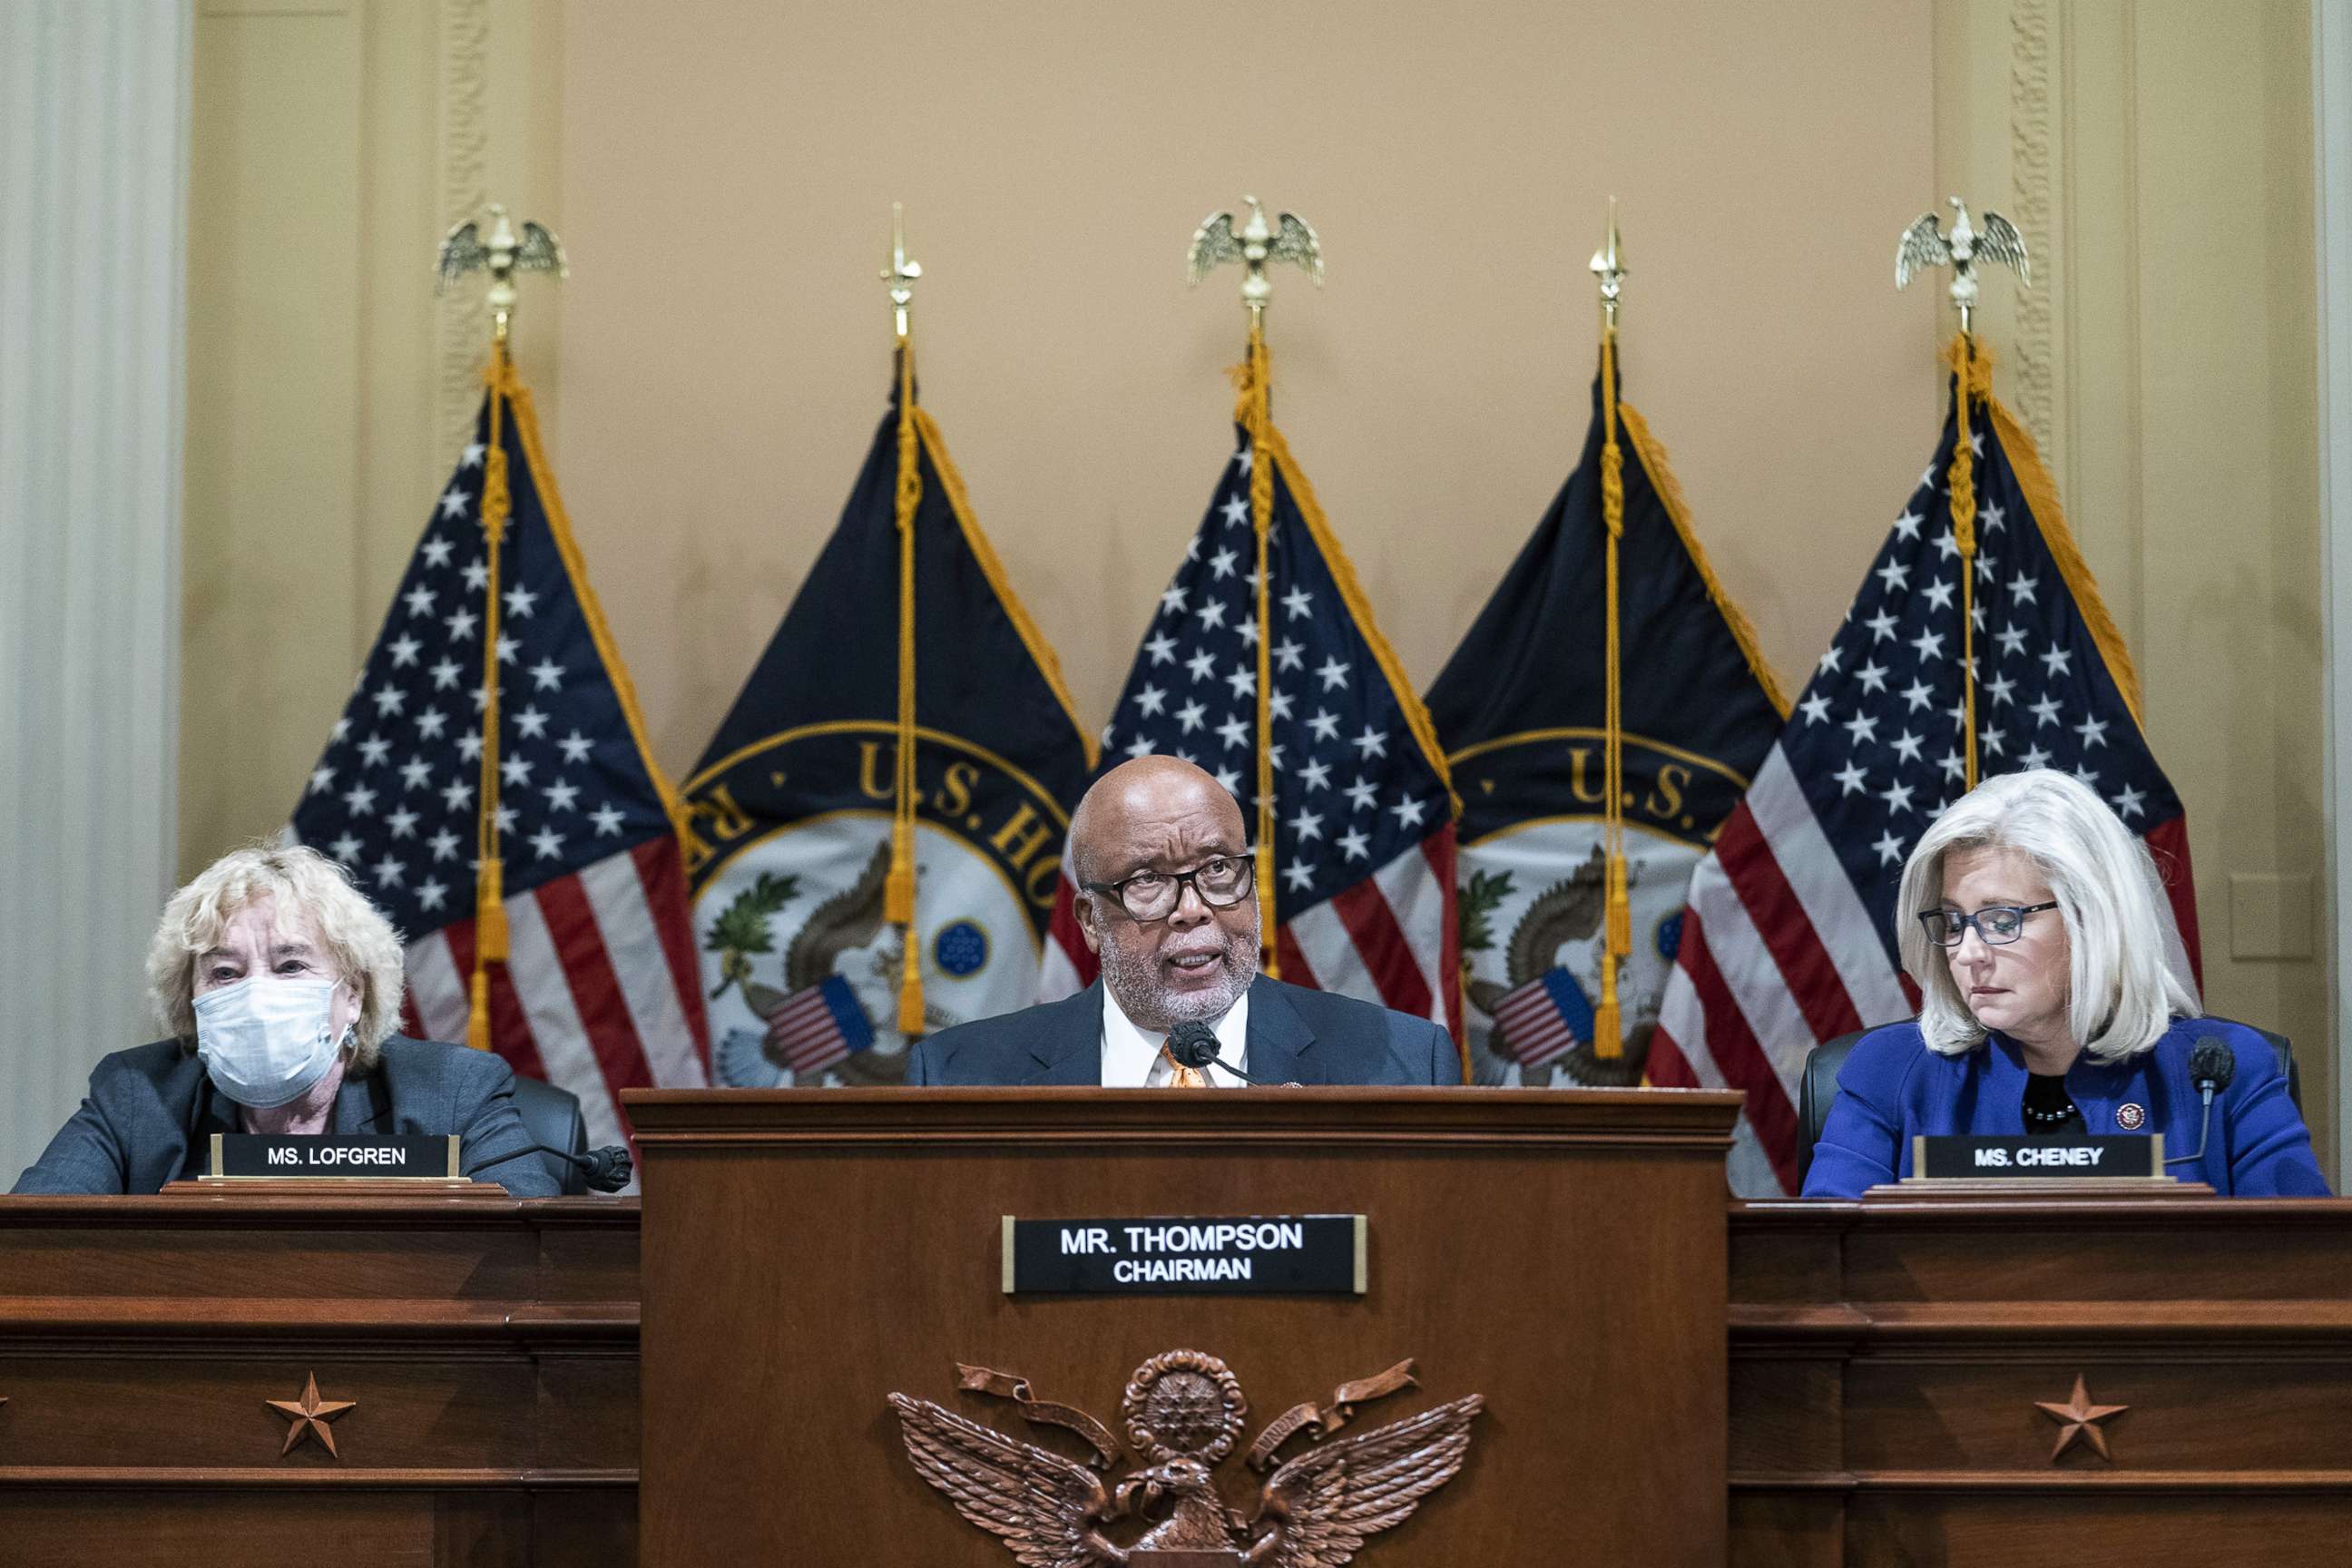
{"x":2048,"y":1106}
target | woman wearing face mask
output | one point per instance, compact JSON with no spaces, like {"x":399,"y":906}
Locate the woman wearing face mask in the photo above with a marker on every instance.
{"x":2031,"y":919}
{"x":281,"y":988}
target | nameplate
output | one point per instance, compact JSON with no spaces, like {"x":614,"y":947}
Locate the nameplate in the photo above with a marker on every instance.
{"x":1274,"y":1255}
{"x":256,"y":1156}
{"x":1968,"y":1157}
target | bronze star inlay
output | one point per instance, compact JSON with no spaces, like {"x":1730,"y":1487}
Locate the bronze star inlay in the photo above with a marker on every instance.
{"x":310,"y":1414}
{"x":2081,"y":1418}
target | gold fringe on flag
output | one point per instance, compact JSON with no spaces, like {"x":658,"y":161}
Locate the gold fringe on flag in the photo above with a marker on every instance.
{"x":490,"y":942}
{"x":1257,"y":417}
{"x":899,"y":889}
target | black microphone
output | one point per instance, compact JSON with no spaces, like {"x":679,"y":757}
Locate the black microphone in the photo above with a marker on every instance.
{"x":2211,"y":1069}
{"x":608,"y":1170}
{"x":1194,"y":1045}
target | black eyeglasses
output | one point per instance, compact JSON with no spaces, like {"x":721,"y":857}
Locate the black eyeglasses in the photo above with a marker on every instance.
{"x":1222,"y":882}
{"x":1999,"y":924}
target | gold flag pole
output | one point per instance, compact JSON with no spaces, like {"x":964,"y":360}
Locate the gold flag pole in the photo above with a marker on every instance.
{"x":1617,"y":941}
{"x":1214,"y":243}
{"x":1925,"y":245}
{"x":899,"y":888}
{"x":501,"y":254}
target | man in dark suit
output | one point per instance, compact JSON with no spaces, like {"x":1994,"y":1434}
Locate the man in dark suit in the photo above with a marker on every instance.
{"x":1167,"y":898}
{"x":151,"y":1113}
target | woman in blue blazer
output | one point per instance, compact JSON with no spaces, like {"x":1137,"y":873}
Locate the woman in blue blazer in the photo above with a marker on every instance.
{"x":2052,"y":1003}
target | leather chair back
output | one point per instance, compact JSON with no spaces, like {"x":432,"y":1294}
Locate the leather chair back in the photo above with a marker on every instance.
{"x":552,"y":1116}
{"x":1817,"y":1090}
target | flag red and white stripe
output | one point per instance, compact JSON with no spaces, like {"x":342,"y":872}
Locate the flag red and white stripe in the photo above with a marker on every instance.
{"x":597,"y":989}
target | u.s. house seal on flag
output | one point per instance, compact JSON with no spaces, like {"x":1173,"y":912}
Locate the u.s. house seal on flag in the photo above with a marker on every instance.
{"x":802,"y":968}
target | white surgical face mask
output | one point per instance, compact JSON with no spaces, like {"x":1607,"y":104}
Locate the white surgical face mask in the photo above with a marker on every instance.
{"x":266,"y":1042}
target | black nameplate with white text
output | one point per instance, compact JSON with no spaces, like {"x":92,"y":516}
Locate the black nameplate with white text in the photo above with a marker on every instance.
{"x":251,"y":1156}
{"x":1290,"y":1255}
{"x":1974,"y":1157}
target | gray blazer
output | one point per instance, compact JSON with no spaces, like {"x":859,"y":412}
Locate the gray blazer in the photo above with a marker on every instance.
{"x":152,"y":1111}
{"x":1296,"y":1036}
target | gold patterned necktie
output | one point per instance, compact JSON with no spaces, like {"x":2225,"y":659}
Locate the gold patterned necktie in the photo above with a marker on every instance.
{"x":1183,"y":1077}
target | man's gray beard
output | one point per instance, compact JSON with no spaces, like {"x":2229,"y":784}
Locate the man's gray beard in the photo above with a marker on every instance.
{"x":1134,"y":983}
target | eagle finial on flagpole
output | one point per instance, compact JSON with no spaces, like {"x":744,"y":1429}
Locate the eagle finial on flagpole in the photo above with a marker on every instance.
{"x":502,"y":255}
{"x":901,"y":273}
{"x":1925,"y":245}
{"x":1216,"y":242}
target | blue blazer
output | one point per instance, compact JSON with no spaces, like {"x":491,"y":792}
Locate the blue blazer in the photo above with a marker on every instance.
{"x":1893,"y":1086}
{"x":151,"y":1113}
{"x":1296,"y":1036}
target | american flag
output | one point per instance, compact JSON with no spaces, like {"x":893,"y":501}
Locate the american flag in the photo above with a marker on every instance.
{"x":599,"y":991}
{"x":1363,"y":851}
{"x":1789,"y":936}
{"x":1545,"y":1019}
{"x":818,"y":1028}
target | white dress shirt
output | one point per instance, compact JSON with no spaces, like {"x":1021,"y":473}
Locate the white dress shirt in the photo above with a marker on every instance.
{"x":1131,"y":1059}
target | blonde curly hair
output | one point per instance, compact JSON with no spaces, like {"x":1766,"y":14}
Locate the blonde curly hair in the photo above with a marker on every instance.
{"x":361,"y":944}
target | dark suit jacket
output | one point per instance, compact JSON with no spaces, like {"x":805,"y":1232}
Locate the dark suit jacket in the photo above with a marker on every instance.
{"x":151,"y":1113}
{"x":1296,"y":1036}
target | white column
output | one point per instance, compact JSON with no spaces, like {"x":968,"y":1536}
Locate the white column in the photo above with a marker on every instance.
{"x":94,"y":98}
{"x":2331,"y":123}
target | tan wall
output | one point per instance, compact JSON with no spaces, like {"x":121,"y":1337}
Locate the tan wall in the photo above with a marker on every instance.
{"x":1053,"y":158}
{"x":722,"y":174}
{"x":326,"y":384}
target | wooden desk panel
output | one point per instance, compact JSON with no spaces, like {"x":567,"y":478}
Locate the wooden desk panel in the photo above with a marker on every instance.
{"x":490,"y":1344}
{"x":807,"y":1254}
{"x":1888,"y":1359}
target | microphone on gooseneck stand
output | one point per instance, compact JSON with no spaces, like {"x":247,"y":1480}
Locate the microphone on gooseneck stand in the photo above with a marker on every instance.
{"x":1194,"y":1045}
{"x":607,"y":1169}
{"x":2211,"y":1069}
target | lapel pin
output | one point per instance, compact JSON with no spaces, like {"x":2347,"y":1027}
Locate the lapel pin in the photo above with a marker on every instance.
{"x":2129,"y":1115}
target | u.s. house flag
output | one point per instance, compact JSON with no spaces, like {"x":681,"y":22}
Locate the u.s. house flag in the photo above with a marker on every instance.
{"x":1522,"y":707}
{"x":597,"y":992}
{"x":794,"y":811}
{"x":1789,"y":936}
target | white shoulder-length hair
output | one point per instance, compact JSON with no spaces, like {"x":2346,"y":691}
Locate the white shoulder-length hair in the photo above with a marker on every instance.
{"x":2124,"y":988}
{"x":361,"y":945}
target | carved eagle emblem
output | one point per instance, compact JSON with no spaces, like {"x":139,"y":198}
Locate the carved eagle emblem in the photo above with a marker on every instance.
{"x":1184,"y":1413}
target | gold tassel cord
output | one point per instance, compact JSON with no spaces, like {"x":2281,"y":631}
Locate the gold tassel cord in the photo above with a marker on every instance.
{"x":490,"y":943}
{"x":1964,"y":533}
{"x":899,"y":889}
{"x":1617,"y":943}
{"x":1257,"y":418}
